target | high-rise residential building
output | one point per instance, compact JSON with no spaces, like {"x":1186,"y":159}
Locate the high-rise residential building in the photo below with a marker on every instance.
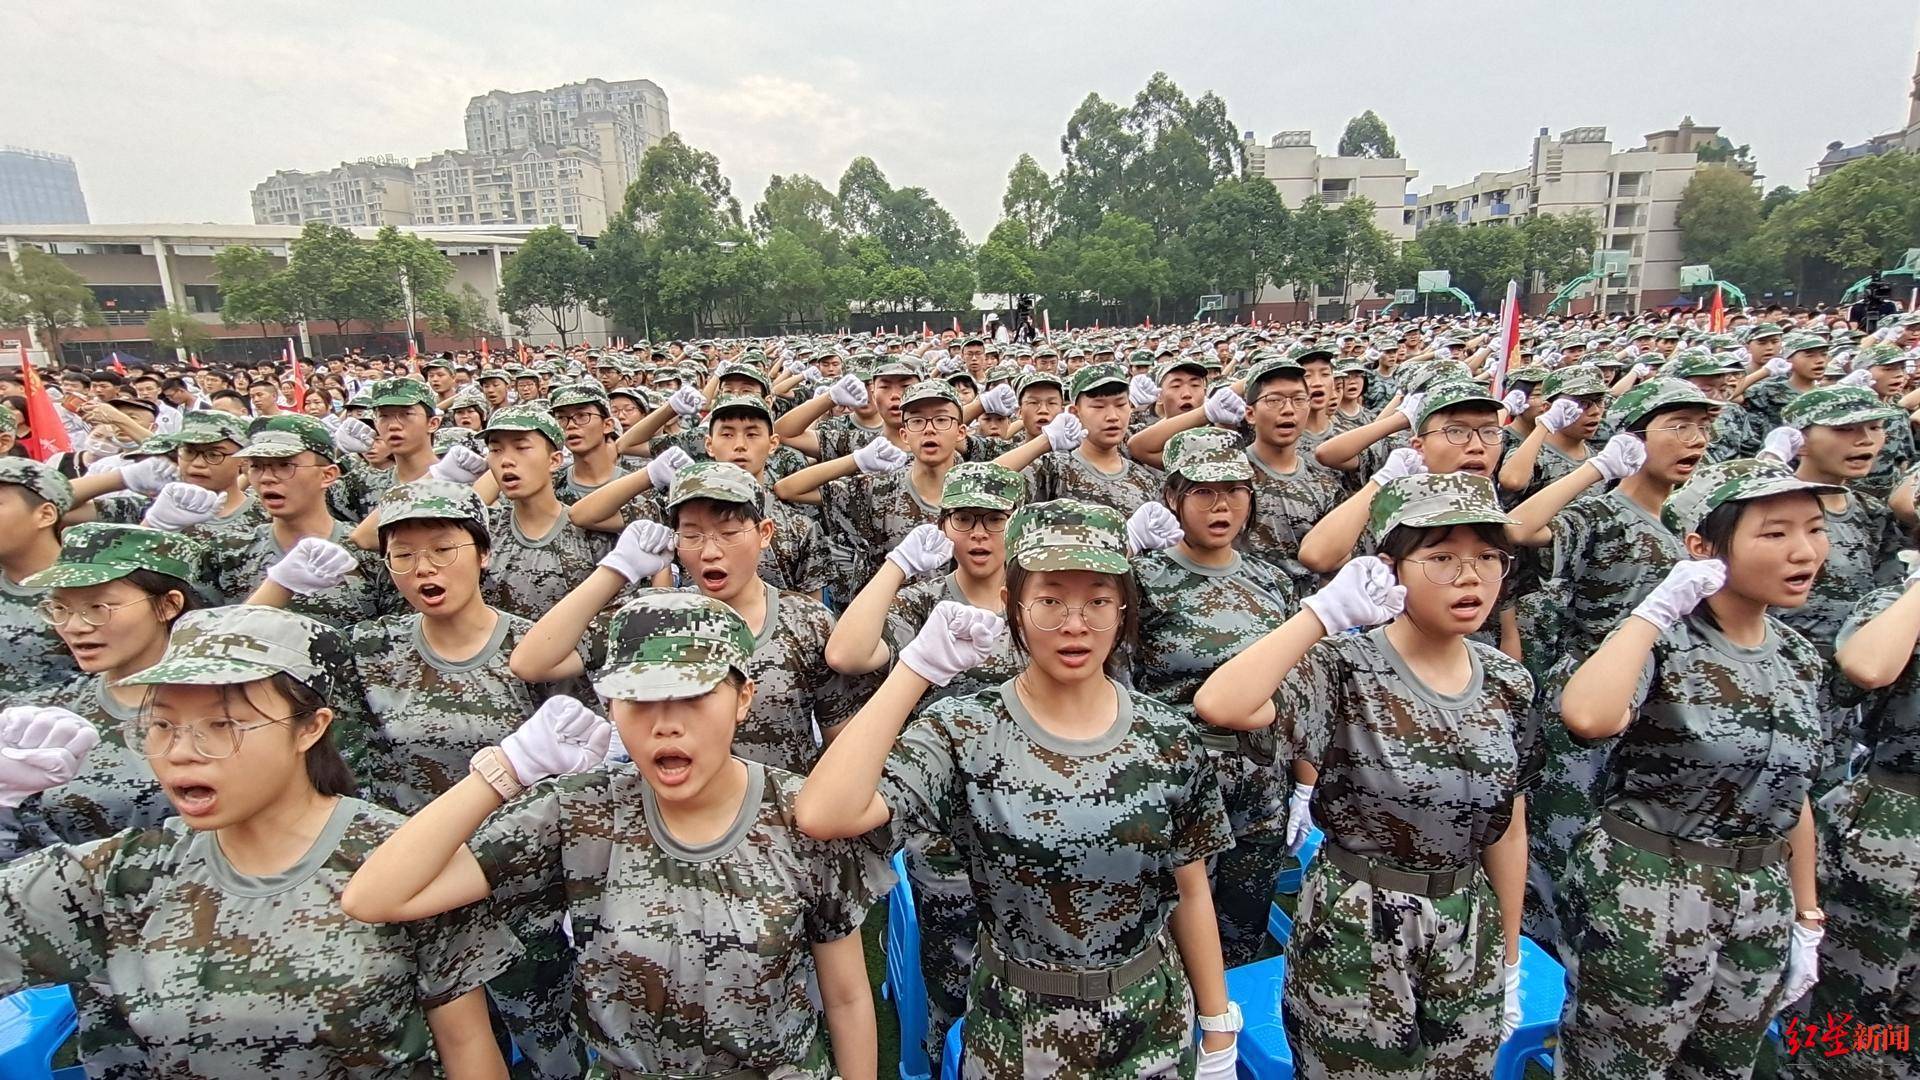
{"x":538,"y":185}
{"x":38,"y":188}
{"x":1301,"y":173}
{"x":376,"y":191}
{"x":1907,"y":138}
{"x":617,"y":121}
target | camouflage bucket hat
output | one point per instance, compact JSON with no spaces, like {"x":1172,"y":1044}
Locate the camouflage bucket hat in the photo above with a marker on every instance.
{"x":743,"y":370}
{"x":929,"y":390}
{"x":1427,"y":500}
{"x":982,"y":485}
{"x":734,"y":404}
{"x":225,"y":646}
{"x":1837,"y":406}
{"x":721,"y":481}
{"x":1713,"y":486}
{"x":1207,"y":455}
{"x":39,"y":479}
{"x":400,"y":391}
{"x":1878,"y":355}
{"x":430,"y":500}
{"x":204,"y":426}
{"x":524,"y":418}
{"x":1098,"y":378}
{"x":668,"y":646}
{"x":1656,"y":394}
{"x":285,"y":435}
{"x":94,"y":553}
{"x":1452,"y":395}
{"x":1801,"y":342}
{"x":1580,"y":380}
{"x":562,"y":397}
{"x":1067,"y":534}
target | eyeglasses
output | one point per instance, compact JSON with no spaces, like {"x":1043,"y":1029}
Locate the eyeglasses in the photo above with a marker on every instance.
{"x":202,"y":453}
{"x":922,"y":423}
{"x":58,"y":614}
{"x":403,"y":562}
{"x":1685,"y":430}
{"x":1275,"y":401}
{"x":276,"y":468}
{"x":216,"y":738}
{"x":725,"y":538}
{"x":578,"y":418}
{"x":994,"y":522}
{"x":1445,"y":568}
{"x":1460,"y":435}
{"x":1098,"y":614}
{"x":1237,"y":497}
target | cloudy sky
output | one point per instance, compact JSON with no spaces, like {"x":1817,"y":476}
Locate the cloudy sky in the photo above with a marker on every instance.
{"x":174,"y":110}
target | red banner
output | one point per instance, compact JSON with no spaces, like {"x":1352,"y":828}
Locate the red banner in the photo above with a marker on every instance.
{"x":46,"y":435}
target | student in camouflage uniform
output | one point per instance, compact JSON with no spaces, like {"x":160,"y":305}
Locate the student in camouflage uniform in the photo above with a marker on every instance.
{"x":208,"y":443}
{"x":32,"y":499}
{"x":1886,"y":368}
{"x":700,"y":912}
{"x":1801,"y":365}
{"x":870,"y":392}
{"x":586,"y":422}
{"x":1413,"y":748}
{"x":1085,"y":813}
{"x":538,"y":554}
{"x":1679,"y":903}
{"x":1559,"y":441}
{"x":213,"y":945}
{"x":1086,"y":459}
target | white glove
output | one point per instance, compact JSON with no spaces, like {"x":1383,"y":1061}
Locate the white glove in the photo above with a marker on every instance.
{"x":1510,"y":1014}
{"x":1065,"y":432}
{"x":1363,"y":593}
{"x":1410,"y":408}
{"x":1225,"y":408}
{"x":180,"y":505}
{"x":1912,"y":560}
{"x":925,"y":550}
{"x":661,"y":469}
{"x":947,"y":365}
{"x":1000,"y":401}
{"x":810,"y":373}
{"x":1562,"y":414}
{"x":1623,"y":456}
{"x":352,"y":437}
{"x":956,"y":638}
{"x":1783,"y":444}
{"x":561,"y":737}
{"x":1641,"y":371}
{"x":880,"y":456}
{"x":1142,"y":391}
{"x":313,"y":565}
{"x":641,"y":552}
{"x":148,"y":475}
{"x":1405,"y":461}
{"x":1153,"y":527}
{"x":1862,"y":378}
{"x":1299,"y":815}
{"x":1221,"y":1064}
{"x":1515,"y":402}
{"x":1803,"y":961}
{"x":460,"y":465}
{"x":1779,"y":367}
{"x":849,"y":392}
{"x":40,"y":747}
{"x":687,"y":401}
{"x":1681,"y":591}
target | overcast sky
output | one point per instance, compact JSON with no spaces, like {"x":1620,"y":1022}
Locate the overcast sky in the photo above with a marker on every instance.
{"x":174,"y":110}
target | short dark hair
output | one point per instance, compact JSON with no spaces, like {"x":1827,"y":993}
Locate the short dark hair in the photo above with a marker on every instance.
{"x":1126,"y":637}
{"x":156,"y":584}
{"x":1405,"y":540}
{"x":482,"y":539}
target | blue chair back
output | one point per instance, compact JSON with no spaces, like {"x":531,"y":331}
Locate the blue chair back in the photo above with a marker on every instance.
{"x":34,"y":1024}
{"x":905,"y":983}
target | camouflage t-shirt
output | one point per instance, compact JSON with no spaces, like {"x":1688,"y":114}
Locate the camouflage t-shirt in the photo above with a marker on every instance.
{"x":691,"y":960}
{"x":121,"y":508}
{"x":1609,"y":552}
{"x":1415,"y":778}
{"x":842,"y":435}
{"x":570,"y":491}
{"x":116,"y":788}
{"x":357,"y":493}
{"x":183,"y":966}
{"x":1552,"y":464}
{"x":1071,"y":844}
{"x":1766,"y":400}
{"x":245,"y":520}
{"x":865,"y":516}
{"x":796,"y":695}
{"x":1893,"y":461}
{"x":1194,"y":618}
{"x":913,"y":605}
{"x":1862,"y":542}
{"x":1064,"y":474}
{"x":528,"y":576}
{"x":796,"y":559}
{"x":1286,"y":506}
{"x":32,"y":656}
{"x":1890,"y":717}
{"x":238,"y":564}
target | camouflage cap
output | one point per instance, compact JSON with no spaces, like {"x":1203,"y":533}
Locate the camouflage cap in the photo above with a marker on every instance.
{"x":667,"y":646}
{"x":1656,"y":394}
{"x":430,"y":499}
{"x":1738,"y":480}
{"x":160,"y":445}
{"x":1604,"y":358}
{"x":1802,"y":342}
{"x":1763,"y":330}
{"x":1098,"y":378}
{"x":1002,"y":373}
{"x":454,"y":435}
{"x":1531,"y":375}
{"x":1580,"y":380}
{"x":9,"y":420}
{"x":1701,"y":365}
{"x":1067,"y":534}
{"x":1837,"y":406}
{"x":404,"y":390}
{"x":1038,"y":378}
{"x":582,"y":393}
{"x":203,"y":426}
{"x":285,"y":435}
{"x":897,"y":367}
{"x":469,"y":398}
{"x":721,"y":481}
{"x":1177,"y":363}
{"x":929,"y":390}
{"x":1427,"y":500}
{"x":982,"y":485}
{"x":1207,"y":455}
{"x":1432,"y":372}
{"x":1667,"y":333}
{"x":734,"y":404}
{"x":97,"y":552}
{"x":1271,"y":368}
{"x":1454,"y":394}
{"x":243,"y":643}
{"x":494,"y":373}
{"x":741,"y":369}
{"x":1138,"y":358}
{"x":529,"y":417}
{"x":1301,"y":354}
{"x":1880,"y":354}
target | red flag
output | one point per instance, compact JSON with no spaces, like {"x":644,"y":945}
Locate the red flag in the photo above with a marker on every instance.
{"x":1506,"y":343}
{"x":484,"y":354}
{"x":193,"y":361}
{"x":46,"y":435}
{"x":925,"y":330}
{"x":1149,"y":320}
{"x":299,"y":380}
{"x":1717,"y":314}
{"x":117,"y":365}
{"x":956,"y":324}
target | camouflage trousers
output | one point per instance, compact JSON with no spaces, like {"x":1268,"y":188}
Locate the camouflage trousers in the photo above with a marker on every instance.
{"x":1243,"y":876}
{"x":949,"y":931}
{"x":535,"y":999}
{"x":1388,"y":984}
{"x":1560,"y":809}
{"x":1674,"y":969}
{"x":1145,"y":1030}
{"x":1870,"y":957}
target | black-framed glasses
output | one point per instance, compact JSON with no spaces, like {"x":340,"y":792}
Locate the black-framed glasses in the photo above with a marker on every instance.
{"x":1445,"y":568}
{"x":994,"y":521}
{"x":277,"y":468}
{"x":1235,"y":496}
{"x":1461,"y":435}
{"x":1098,"y":614}
{"x":937,"y":423}
{"x":403,"y":562}
{"x":216,"y":737}
{"x":192,"y":452}
{"x":58,"y":614}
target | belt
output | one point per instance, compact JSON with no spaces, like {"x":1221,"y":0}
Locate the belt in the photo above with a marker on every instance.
{"x":1084,"y":984}
{"x":615,"y":1073}
{"x":1904,"y":783}
{"x":1223,"y":741}
{"x":1746,"y":858}
{"x":1434,"y":885}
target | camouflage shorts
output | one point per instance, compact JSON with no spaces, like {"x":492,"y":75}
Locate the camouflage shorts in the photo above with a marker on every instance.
{"x":1145,"y":1030}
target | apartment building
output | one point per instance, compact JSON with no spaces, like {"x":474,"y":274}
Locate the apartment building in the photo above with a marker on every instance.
{"x":539,"y":185}
{"x":372,"y":192}
{"x":616,"y":121}
{"x":1301,"y":173}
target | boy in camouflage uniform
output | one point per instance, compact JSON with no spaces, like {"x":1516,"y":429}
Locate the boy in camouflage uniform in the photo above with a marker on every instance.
{"x":538,"y":554}
{"x":1886,"y":365}
{"x":586,"y":421}
{"x":32,"y":499}
{"x":1086,"y":459}
{"x":1559,"y":441}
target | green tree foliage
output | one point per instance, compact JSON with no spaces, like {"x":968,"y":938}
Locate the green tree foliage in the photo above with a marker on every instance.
{"x":671,"y":167}
{"x":547,"y":279}
{"x":1559,"y":248}
{"x":1239,"y":234}
{"x":1860,"y":219}
{"x":332,"y":277}
{"x":252,"y":288}
{"x":804,"y":208}
{"x":1008,"y":261}
{"x":39,"y":290}
{"x":863,"y":188}
{"x":1367,"y":136}
{"x":916,"y":230}
{"x":1718,"y":211}
{"x":1098,"y":149}
{"x":462,"y":313}
{"x":1775,"y":199}
{"x":1117,"y":264}
{"x":176,"y":328}
{"x":1482,"y":259}
{"x":1030,"y":200}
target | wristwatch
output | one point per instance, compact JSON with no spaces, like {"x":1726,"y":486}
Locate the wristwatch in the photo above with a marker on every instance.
{"x":1817,"y":916}
{"x":491,"y":765}
{"x":1228,"y":1021}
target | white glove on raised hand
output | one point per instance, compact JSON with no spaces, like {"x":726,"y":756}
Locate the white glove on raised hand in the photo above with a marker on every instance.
{"x":957,"y":637}
{"x":661,"y":469}
{"x":459,"y":464}
{"x":1225,"y":408}
{"x":687,"y":402}
{"x":352,"y":436}
{"x":1000,"y":401}
{"x":180,"y":505}
{"x":880,"y":456}
{"x":313,"y":565}
{"x":561,"y":737}
{"x":148,"y":475}
{"x":1803,"y":962}
{"x":1299,"y":815}
{"x":643,"y":550}
{"x":1641,"y":371}
{"x":810,"y":373}
{"x":1510,"y":1015}
{"x":1783,"y":444}
{"x":1405,"y":461}
{"x":1065,"y":432}
{"x":1142,"y":391}
{"x":1153,"y":527}
{"x":40,"y":747}
{"x":1779,"y":367}
{"x":849,"y":392}
{"x":1681,"y":591}
{"x":1623,"y":456}
{"x":1862,"y":378}
{"x":1410,"y":407}
{"x":923,"y":551}
{"x":1221,"y":1064}
{"x":1515,"y":402}
{"x":1562,"y":414}
{"x":1363,"y":593}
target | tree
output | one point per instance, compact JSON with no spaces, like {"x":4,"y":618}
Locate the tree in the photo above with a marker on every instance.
{"x":625,"y":276}
{"x":1481,"y":259}
{"x":1098,"y":150}
{"x":176,"y":328}
{"x":1777,"y":198}
{"x":41,"y":292}
{"x":863,"y":188}
{"x":1367,"y":136}
{"x":951,"y":285}
{"x":916,"y":230}
{"x":413,"y":265}
{"x":1006,"y":262}
{"x":252,"y":288}
{"x":547,"y":279}
{"x":670,"y":166}
{"x":1029,"y":200}
{"x":804,"y":208}
{"x":1238,"y":234}
{"x":1860,"y":219}
{"x":1559,"y":248}
{"x":1118,"y":265}
{"x":334,"y":277}
{"x":799,"y":284}
{"x":1357,"y":249}
{"x":462,"y":313}
{"x":1718,"y":211}
{"x":1721,"y":149}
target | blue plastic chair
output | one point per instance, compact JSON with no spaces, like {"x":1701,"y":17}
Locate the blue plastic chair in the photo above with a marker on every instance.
{"x":1543,"y":992}
{"x":1279,"y":925}
{"x":1259,"y":988}
{"x":1290,"y":878}
{"x":34,"y":1025}
{"x":950,"y":1053}
{"x":905,"y":982}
